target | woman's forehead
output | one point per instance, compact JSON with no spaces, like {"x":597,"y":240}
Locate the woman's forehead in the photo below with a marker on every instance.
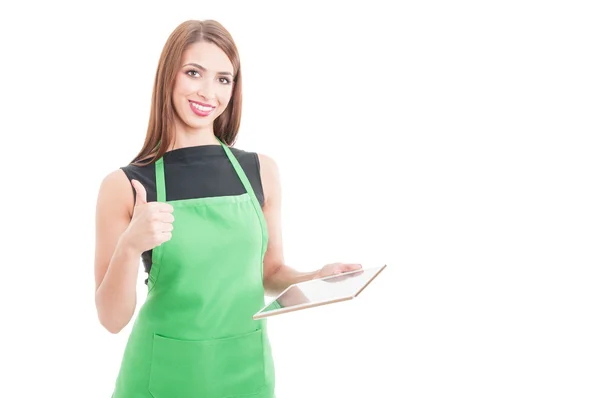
{"x":209,"y":56}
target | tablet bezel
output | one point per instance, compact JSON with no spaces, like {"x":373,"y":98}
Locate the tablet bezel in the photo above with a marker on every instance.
{"x":261,"y":315}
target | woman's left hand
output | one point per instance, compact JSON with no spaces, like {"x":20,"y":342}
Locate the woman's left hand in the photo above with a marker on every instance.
{"x":336,"y":269}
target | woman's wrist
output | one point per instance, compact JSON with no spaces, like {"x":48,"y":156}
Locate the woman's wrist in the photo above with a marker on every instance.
{"x":127,"y":246}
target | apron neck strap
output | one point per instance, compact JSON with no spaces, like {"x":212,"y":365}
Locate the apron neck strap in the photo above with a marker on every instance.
{"x":242,"y":176}
{"x":238,"y":169}
{"x":159,"y":167}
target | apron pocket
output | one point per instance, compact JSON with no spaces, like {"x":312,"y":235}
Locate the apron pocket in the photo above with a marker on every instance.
{"x":228,"y":367}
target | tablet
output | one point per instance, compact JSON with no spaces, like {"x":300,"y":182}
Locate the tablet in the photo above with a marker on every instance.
{"x":317,"y":292}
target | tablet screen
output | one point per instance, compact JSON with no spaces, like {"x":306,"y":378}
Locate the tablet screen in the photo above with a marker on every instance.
{"x":321,"y":291}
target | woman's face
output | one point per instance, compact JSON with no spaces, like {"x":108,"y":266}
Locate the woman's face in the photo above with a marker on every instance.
{"x":203,"y":86}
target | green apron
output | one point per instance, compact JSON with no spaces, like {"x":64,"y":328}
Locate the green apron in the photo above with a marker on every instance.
{"x":194,"y":336}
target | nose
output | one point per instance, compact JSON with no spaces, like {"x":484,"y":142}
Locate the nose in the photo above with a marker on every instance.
{"x":206,"y":89}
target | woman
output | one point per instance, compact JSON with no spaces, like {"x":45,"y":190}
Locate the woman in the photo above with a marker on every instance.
{"x":205,"y":219}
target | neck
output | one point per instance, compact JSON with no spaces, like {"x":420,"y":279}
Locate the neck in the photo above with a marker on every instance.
{"x":186,"y":138}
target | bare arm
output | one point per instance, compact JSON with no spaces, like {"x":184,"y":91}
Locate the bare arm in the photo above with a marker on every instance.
{"x":277,"y":275}
{"x":116,"y":262}
{"x":124,"y":230}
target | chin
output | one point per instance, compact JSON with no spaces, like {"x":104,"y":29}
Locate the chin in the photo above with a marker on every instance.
{"x":200,"y":125}
{"x":194,"y":122}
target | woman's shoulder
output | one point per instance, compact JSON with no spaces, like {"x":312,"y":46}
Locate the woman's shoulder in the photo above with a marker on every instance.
{"x":270,"y":177}
{"x":266,"y":169}
{"x":138,"y":172}
{"x":145,"y":174}
{"x":244,"y":154}
{"x":115,"y":191}
{"x":251,"y":161}
{"x":263,"y":159}
{"x":114,"y":179}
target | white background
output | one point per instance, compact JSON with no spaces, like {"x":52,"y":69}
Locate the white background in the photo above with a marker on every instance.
{"x":454,"y":141}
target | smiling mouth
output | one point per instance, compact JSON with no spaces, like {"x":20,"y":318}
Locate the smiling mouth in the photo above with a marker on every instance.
{"x":201,"y":109}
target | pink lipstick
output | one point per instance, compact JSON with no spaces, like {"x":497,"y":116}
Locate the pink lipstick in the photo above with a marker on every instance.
{"x":201,"y":109}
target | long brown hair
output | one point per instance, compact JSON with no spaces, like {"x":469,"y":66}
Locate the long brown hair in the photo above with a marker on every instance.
{"x":161,"y":126}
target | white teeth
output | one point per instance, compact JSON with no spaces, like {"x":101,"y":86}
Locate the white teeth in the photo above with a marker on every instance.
{"x":202,"y":108}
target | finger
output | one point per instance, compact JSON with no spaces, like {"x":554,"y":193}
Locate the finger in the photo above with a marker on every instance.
{"x":140,"y":192}
{"x":343,"y":268}
{"x":166,"y":236}
{"x":165,"y":217}
{"x":166,"y":227}
{"x":352,"y":267}
{"x":165,"y":207}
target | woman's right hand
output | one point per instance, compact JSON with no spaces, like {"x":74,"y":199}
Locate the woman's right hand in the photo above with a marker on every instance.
{"x":151,"y":223}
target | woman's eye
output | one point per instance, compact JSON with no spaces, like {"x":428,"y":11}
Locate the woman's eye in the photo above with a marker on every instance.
{"x":193,"y":73}
{"x":224,"y":80}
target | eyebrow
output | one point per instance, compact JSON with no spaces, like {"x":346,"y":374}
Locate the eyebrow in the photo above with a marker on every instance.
{"x":204,"y":69}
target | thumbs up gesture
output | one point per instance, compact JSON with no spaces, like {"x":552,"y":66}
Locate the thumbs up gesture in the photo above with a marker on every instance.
{"x":151,"y":224}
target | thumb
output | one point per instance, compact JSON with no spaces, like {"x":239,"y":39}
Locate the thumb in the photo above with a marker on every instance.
{"x":140,"y":192}
{"x":353,"y":267}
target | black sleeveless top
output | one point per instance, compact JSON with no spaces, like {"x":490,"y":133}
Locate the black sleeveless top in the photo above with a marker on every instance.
{"x":198,"y":172}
